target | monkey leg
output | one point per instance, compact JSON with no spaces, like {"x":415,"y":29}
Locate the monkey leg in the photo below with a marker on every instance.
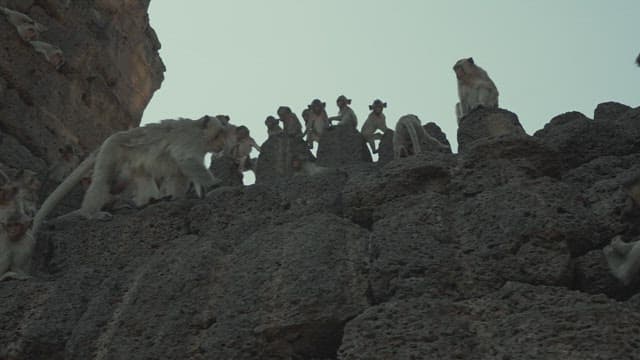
{"x":145,"y":190}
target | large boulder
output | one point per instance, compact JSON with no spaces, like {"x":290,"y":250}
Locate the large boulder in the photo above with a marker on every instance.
{"x":105,"y":85}
{"x":342,"y":145}
{"x":579,"y":139}
{"x":484,"y":123}
{"x":226,"y":169}
{"x":277,"y":157}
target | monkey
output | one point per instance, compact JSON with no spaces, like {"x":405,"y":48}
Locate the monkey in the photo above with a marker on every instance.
{"x":273,"y":127}
{"x":475,"y":88}
{"x":375,"y":121}
{"x":345,"y":116}
{"x":170,"y":153}
{"x":68,"y":161}
{"x":27,"y":28}
{"x":623,"y":259}
{"x":317,"y":121}
{"x":51,"y":53}
{"x":290,"y":122}
{"x":410,"y":136}
{"x":18,"y":201}
{"x":242,"y":148}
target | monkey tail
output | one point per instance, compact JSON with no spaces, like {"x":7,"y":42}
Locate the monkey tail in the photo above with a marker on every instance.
{"x":415,"y":141}
{"x":63,"y":189}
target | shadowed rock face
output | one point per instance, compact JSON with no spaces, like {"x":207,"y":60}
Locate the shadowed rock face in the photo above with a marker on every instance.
{"x":112,"y":69}
{"x":484,"y":123}
{"x":342,"y":145}
{"x":493,"y":253}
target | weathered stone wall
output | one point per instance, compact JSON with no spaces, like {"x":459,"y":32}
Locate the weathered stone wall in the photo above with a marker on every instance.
{"x":495,"y":253}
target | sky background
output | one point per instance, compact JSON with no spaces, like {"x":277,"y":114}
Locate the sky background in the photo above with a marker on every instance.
{"x":245,"y":58}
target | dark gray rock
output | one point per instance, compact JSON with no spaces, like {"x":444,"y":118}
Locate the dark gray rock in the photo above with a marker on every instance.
{"x":517,"y":322}
{"x":225,"y":169}
{"x":484,"y":123}
{"x":385,"y":148}
{"x":342,"y":145}
{"x":609,"y":111}
{"x":579,"y":139}
{"x":277,"y":156}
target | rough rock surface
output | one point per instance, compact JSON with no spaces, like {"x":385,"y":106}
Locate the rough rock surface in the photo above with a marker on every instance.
{"x":112,"y":69}
{"x":484,"y":123}
{"x":277,"y":156}
{"x":225,"y":169}
{"x":495,"y":253}
{"x":342,"y":145}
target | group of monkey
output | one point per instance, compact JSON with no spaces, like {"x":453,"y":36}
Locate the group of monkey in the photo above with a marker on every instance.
{"x":165,"y":160}
{"x":29,"y":31}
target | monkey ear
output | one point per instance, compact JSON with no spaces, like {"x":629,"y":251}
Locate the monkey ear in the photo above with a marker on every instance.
{"x":471,"y":61}
{"x":384,"y":105}
{"x":205,"y":121}
{"x":370,"y":107}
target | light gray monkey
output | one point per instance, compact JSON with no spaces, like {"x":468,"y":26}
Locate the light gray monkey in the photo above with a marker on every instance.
{"x":475,"y":88}
{"x":376,"y":121}
{"x":27,"y":28}
{"x":623,"y":259}
{"x":51,"y":53}
{"x":18,"y":201}
{"x":346,"y":116}
{"x":316,"y":121}
{"x":170,"y":153}
{"x":410,"y":136}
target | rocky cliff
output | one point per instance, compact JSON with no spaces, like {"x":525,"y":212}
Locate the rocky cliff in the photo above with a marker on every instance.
{"x":111,"y":70}
{"x":492,"y":253}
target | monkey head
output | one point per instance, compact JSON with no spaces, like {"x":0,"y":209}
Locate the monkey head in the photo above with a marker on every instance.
{"x":17,"y":225}
{"x":271,"y":122}
{"x":215,"y":132}
{"x":242,"y":132}
{"x":377,"y":106}
{"x":317,"y":106}
{"x":464,"y":68}
{"x":283,"y":111}
{"x":342,"y":101}
{"x":305,"y":114}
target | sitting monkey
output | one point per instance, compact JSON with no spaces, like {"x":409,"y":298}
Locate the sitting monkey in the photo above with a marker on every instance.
{"x":345,"y":116}
{"x":242,"y":148}
{"x":375,"y":121}
{"x":273,"y":128}
{"x":317,"y":121}
{"x":475,"y":88}
{"x":290,"y":122}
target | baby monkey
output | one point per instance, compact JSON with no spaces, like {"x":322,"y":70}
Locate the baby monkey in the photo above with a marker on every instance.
{"x":242,"y":148}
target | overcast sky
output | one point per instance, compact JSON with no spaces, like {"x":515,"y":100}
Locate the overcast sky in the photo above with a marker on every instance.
{"x":245,"y":58}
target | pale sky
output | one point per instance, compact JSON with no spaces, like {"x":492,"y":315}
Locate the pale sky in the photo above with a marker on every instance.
{"x":245,"y":58}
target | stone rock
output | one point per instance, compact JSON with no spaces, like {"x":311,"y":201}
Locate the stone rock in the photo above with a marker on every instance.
{"x":104,"y":86}
{"x":483,"y":123}
{"x":518,"y":321}
{"x":225,"y":169}
{"x":342,"y":145}
{"x":579,"y":139}
{"x":277,"y":155}
{"x":385,"y":148}
{"x":609,"y":111}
